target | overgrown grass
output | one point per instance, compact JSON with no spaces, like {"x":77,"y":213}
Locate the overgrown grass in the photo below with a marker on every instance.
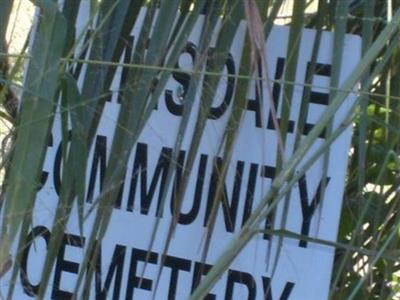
{"x":367,"y":249}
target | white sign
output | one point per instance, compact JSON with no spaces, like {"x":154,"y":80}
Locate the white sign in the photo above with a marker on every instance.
{"x":303,"y":268}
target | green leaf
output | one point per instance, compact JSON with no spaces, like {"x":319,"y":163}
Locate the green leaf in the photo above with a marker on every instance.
{"x":37,"y":112}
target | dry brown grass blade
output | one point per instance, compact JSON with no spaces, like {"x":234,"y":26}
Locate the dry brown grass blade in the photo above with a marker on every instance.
{"x":258,"y":56}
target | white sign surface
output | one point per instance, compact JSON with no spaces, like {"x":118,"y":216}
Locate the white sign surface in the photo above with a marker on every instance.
{"x":303,"y":269}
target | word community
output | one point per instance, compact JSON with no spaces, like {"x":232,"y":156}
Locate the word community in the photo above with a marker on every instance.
{"x":144,"y":191}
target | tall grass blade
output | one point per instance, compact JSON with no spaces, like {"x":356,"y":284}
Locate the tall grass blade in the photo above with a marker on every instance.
{"x":37,"y":111}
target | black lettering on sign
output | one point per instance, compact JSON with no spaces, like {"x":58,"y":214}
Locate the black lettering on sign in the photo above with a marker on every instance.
{"x":306,"y":208}
{"x":115,"y":273}
{"x":176,"y":264}
{"x":255,"y":104}
{"x":178,"y":179}
{"x":58,"y":161}
{"x":82,"y":56}
{"x":116,"y":267}
{"x":229,"y":207}
{"x":287,"y":290}
{"x":268,"y":172}
{"x":191,"y":215}
{"x":243,"y":278}
{"x":99,"y":164}
{"x":251,"y":187}
{"x":159,"y":178}
{"x":97,"y":169}
{"x":127,"y":60}
{"x":318,"y":97}
{"x":276,"y":94}
{"x":201,"y":269}
{"x":183,"y":78}
{"x":217,"y":112}
{"x":64,"y":265}
{"x":29,"y":288}
{"x":133,"y":280}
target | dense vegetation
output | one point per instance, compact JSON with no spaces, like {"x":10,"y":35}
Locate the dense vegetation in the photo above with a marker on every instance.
{"x":367,"y":251}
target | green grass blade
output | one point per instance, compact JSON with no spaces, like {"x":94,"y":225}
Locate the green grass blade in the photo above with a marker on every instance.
{"x":292,"y":55}
{"x":38,"y":105}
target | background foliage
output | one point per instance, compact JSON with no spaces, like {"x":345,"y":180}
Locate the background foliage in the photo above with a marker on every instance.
{"x":367,"y":252}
